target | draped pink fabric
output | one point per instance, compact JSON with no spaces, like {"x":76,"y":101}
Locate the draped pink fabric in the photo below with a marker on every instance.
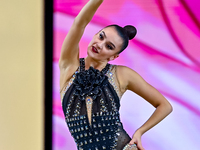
{"x":165,"y":52}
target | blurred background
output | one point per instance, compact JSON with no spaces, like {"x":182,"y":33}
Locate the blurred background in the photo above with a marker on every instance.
{"x":165,"y":52}
{"x":21,"y":75}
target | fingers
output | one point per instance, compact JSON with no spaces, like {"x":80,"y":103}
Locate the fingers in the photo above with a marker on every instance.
{"x":138,"y":143}
{"x":139,"y":146}
{"x":132,"y":142}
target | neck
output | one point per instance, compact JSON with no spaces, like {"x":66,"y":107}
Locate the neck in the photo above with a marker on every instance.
{"x":96,"y":64}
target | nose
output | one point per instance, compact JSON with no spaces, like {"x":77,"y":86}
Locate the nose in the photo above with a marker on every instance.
{"x":100,"y":45}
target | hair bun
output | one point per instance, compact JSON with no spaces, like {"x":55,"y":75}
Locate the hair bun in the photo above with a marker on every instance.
{"x":131,"y":31}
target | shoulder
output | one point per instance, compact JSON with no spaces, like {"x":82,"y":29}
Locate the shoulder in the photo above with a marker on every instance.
{"x":132,"y":79}
{"x":126,"y":76}
{"x":126,"y":71}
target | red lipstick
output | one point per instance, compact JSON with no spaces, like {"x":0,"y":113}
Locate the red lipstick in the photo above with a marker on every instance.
{"x":94,"y":49}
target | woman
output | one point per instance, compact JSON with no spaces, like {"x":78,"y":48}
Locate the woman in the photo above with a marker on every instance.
{"x":91,"y":88}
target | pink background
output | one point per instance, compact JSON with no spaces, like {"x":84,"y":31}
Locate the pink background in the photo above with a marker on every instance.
{"x":165,"y":52}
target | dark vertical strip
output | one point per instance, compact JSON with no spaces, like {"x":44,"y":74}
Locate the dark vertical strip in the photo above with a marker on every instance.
{"x":48,"y":27}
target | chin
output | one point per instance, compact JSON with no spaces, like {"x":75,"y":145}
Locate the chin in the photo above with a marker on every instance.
{"x":92,"y":56}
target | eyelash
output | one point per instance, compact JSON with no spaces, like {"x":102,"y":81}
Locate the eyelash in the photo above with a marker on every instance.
{"x":101,"y":37}
{"x":110,"y":47}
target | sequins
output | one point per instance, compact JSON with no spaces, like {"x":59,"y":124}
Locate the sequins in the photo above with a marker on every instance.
{"x":77,"y":109}
{"x":111,"y":99}
{"x":89,"y":102}
{"x":101,"y":131}
{"x":128,"y":146}
{"x":68,"y":109}
{"x":69,"y":84}
{"x":96,"y":130}
{"x":103,"y":106}
{"x":113,"y":80}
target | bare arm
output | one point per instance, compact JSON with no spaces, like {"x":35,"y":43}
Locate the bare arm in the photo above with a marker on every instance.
{"x":69,"y":58}
{"x":137,"y":84}
{"x":70,"y":48}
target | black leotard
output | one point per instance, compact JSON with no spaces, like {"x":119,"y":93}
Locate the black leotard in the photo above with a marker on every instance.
{"x":91,"y":107}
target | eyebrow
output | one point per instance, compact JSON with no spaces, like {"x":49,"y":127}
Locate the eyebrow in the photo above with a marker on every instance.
{"x":106,"y":37}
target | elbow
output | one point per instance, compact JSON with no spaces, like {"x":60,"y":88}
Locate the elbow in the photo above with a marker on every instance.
{"x":60,"y":64}
{"x":168,"y":108}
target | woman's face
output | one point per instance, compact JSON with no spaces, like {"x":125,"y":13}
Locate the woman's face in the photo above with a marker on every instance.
{"x":105,"y":45}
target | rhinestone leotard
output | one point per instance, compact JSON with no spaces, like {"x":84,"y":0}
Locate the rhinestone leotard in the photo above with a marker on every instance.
{"x":91,"y":107}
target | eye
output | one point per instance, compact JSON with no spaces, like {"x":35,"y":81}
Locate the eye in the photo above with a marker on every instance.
{"x":101,"y":36}
{"x":109,"y":47}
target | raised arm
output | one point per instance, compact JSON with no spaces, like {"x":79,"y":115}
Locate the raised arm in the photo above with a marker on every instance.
{"x":70,"y":48}
{"x":134,"y":82}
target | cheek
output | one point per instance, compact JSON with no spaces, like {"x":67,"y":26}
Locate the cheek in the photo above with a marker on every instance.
{"x":107,"y":53}
{"x":93,"y":41}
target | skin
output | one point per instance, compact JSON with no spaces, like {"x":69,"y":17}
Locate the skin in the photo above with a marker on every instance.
{"x":108,"y":43}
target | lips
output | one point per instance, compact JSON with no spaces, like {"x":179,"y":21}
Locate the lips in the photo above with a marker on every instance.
{"x":94,"y":49}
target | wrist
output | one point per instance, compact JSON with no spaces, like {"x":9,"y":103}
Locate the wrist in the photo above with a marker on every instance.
{"x":138,"y":132}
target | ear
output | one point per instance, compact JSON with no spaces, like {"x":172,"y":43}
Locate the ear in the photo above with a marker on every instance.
{"x":113,"y":57}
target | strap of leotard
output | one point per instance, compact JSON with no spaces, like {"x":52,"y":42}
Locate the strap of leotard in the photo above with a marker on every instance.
{"x":104,"y":70}
{"x":82,"y":66}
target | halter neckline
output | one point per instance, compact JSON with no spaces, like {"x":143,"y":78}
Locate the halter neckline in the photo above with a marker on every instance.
{"x":82,"y":66}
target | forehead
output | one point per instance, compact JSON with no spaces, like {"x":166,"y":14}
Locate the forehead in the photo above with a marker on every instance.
{"x":113,"y":36}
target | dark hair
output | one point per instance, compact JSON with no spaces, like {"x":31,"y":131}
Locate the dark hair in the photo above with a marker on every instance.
{"x":126,"y":33}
